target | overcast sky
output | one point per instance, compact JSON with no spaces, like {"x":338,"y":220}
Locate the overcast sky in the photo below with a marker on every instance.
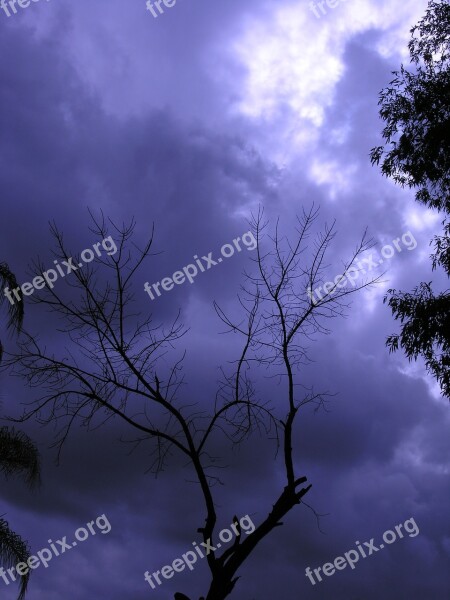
{"x":191,"y":121}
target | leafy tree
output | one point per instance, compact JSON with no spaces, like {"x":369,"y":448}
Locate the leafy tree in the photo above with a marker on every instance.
{"x":416,"y":111}
{"x":18,"y":456}
{"x":118,"y":366}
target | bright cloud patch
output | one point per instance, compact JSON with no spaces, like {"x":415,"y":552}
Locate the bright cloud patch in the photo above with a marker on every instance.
{"x":295,"y":60}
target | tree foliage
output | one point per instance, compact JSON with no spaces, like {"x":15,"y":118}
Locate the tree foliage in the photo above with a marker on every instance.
{"x":13,"y":550}
{"x":416,"y":111}
{"x":15,"y":311}
{"x":18,"y":454}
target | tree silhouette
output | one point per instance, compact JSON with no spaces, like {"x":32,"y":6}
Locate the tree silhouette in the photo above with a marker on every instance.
{"x":416,"y":111}
{"x":117,"y":366}
{"x":16,"y":310}
{"x":18,"y":456}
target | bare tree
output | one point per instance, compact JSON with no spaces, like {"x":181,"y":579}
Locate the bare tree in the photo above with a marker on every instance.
{"x":114,"y":367}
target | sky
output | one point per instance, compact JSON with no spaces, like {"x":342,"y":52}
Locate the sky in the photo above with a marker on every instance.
{"x":189,"y":122}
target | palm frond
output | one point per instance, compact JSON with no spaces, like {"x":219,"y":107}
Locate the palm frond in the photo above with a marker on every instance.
{"x":15,"y":311}
{"x":13,"y":550}
{"x":19,"y":455}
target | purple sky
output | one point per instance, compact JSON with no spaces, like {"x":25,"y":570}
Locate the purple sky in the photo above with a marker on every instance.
{"x":191,"y":121}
